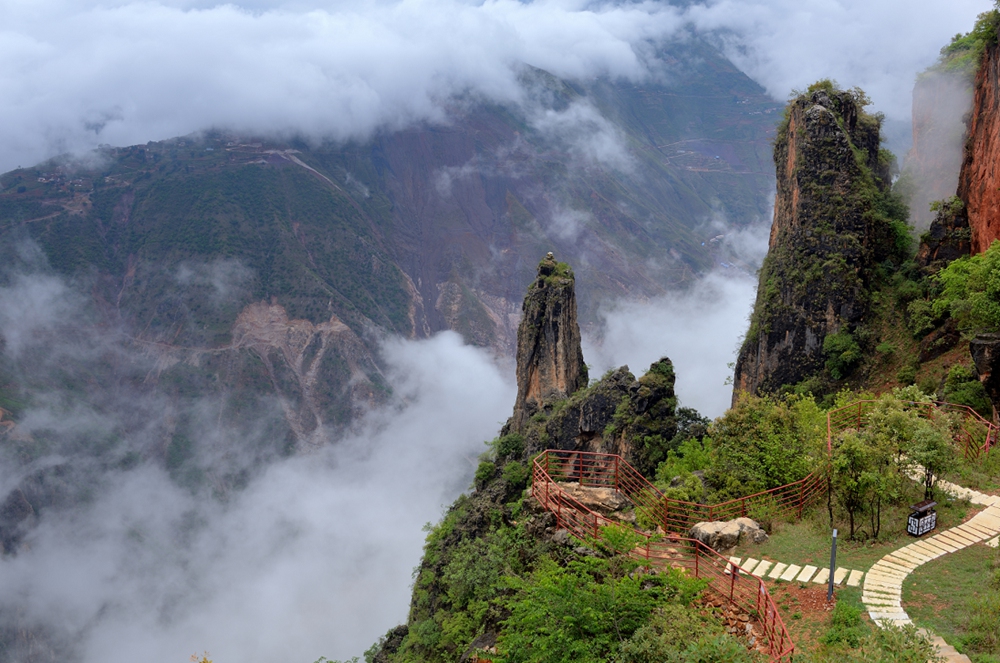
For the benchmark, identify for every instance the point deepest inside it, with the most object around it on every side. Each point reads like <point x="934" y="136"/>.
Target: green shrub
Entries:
<point x="583" y="612"/>
<point x="484" y="472"/>
<point x="920" y="317"/>
<point x="762" y="443"/>
<point x="962" y="386"/>
<point x="846" y="625"/>
<point x="516" y="474"/>
<point x="907" y="375"/>
<point x="886" y="348"/>
<point x="970" y="290"/>
<point x="508" y="446"/>
<point x="842" y="354"/>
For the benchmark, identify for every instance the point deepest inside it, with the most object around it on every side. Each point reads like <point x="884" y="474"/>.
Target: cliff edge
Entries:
<point x="833" y="223"/>
<point x="549" y="358"/>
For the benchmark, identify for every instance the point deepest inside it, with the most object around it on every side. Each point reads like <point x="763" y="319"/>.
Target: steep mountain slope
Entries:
<point x="833" y="224"/>
<point x="413" y="232"/>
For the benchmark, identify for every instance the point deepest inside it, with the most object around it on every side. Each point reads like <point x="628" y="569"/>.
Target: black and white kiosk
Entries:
<point x="923" y="518"/>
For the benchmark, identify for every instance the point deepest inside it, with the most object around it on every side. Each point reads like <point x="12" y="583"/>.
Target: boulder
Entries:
<point x="751" y="531"/>
<point x="717" y="535"/>
<point x="723" y="536"/>
<point x="604" y="501"/>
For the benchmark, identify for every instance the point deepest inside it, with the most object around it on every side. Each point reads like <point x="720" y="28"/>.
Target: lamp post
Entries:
<point x="833" y="566"/>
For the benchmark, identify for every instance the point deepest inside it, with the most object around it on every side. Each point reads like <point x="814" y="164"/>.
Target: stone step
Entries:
<point x="778" y="569"/>
<point x="790" y="573"/>
<point x="807" y="573"/>
<point x="762" y="568"/>
<point x="854" y="579"/>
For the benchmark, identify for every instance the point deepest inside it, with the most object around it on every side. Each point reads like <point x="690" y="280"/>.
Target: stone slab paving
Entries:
<point x="882" y="592"/>
<point x="764" y="568"/>
<point x="807" y="573"/>
<point x="790" y="573"/>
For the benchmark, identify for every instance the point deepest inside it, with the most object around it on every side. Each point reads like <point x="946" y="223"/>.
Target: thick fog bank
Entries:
<point x="699" y="328"/>
<point x="312" y="556"/>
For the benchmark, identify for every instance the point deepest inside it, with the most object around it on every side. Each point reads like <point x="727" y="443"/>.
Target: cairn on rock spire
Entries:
<point x="549" y="357"/>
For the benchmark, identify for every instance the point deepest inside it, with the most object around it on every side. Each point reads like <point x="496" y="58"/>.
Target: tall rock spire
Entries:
<point x="549" y="358"/>
<point x="830" y="230"/>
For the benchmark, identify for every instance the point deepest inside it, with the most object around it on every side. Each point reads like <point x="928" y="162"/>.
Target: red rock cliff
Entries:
<point x="979" y="181"/>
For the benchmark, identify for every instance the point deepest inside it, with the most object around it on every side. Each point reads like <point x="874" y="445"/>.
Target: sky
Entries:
<point x="79" y="73"/>
<point x="314" y="557"/>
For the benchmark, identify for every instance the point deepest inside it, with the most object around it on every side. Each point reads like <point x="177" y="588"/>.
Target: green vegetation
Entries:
<point x="588" y="611"/>
<point x="956" y="596"/>
<point x="762" y="443"/>
<point x="970" y="290"/>
<point x="964" y="53"/>
<point x="870" y="465"/>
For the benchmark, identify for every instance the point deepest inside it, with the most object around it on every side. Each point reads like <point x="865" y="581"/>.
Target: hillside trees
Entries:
<point x="870" y="465"/>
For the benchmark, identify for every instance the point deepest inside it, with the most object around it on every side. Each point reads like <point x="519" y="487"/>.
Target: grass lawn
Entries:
<point x="808" y="540"/>
<point x="982" y="474"/>
<point x="937" y="594"/>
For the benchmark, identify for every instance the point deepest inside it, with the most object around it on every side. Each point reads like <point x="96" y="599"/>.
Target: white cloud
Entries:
<point x="878" y="45"/>
<point x="699" y="328"/>
<point x="79" y="74"/>
<point x="313" y="558"/>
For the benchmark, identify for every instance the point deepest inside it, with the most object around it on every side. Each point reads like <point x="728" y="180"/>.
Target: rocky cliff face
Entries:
<point x="948" y="237"/>
<point x="556" y="408"/>
<point x="549" y="358"/>
<point x="979" y="181"/>
<point x="985" y="350"/>
<point x="826" y="237"/>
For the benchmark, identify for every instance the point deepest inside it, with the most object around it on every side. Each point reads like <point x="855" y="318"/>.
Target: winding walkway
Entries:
<point x="882" y="591"/>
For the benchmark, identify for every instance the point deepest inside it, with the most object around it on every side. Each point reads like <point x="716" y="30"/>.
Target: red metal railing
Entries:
<point x="611" y="471"/>
<point x="976" y="435"/>
<point x="730" y="582"/>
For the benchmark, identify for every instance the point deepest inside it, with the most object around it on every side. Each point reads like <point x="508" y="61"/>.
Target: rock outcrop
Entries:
<point x="949" y="236"/>
<point x="619" y="414"/>
<point x="985" y="349"/>
<point x="723" y="536"/>
<point x="549" y="358"/>
<point x="979" y="181"/>
<point x="825" y="240"/>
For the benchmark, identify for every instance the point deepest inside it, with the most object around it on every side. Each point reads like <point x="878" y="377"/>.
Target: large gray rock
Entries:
<point x="723" y="536"/>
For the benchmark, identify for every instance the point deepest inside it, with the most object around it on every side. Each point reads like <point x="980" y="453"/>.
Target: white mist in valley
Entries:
<point x="699" y="328"/>
<point x="312" y="557"/>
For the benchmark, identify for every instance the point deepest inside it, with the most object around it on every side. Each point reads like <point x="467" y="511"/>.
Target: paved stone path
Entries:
<point x="883" y="587"/>
<point x="763" y="568"/>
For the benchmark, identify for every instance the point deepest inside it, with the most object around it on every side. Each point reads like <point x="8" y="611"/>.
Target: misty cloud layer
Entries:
<point x="313" y="556"/>
<point x="80" y="74"/>
<point x="698" y="328"/>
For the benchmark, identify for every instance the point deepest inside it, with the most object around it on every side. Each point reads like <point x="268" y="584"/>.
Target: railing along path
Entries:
<point x="976" y="436"/>
<point x="739" y="588"/>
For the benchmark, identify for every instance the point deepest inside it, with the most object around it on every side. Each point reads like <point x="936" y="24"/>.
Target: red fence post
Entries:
<point x="732" y="580"/>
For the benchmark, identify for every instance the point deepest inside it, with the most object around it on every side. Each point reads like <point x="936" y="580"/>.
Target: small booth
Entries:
<point x="923" y="518"/>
